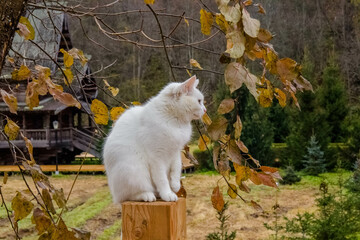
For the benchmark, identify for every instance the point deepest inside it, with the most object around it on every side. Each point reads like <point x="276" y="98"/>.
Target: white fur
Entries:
<point x="142" y="152"/>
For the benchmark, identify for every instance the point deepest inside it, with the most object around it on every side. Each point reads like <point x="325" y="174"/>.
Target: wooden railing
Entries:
<point x="83" y="139"/>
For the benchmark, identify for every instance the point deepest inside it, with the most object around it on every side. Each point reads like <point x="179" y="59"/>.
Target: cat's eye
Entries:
<point x="199" y="100"/>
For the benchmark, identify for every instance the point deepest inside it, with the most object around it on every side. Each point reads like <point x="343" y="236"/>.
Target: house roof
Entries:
<point x="47" y="104"/>
<point x="51" y="34"/>
<point x="47" y="25"/>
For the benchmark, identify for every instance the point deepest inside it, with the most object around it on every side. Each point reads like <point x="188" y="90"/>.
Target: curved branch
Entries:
<point x="163" y="41"/>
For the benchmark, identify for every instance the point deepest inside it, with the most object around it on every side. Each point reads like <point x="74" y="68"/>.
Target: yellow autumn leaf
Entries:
<point x="206" y="20"/>
<point x="114" y="91"/>
<point x="206" y="119"/>
<point x="68" y="59"/>
<point x="203" y="142"/>
<point x="232" y="191"/>
<point x="21" y="206"/>
<point x="243" y="173"/>
<point x="78" y="54"/>
<point x="136" y="103"/>
<point x="26" y="30"/>
<point x="221" y="22"/>
<point x="280" y="96"/>
<point x="186" y="21"/>
<point x="195" y="63"/>
<point x="10" y="101"/>
<point x="22" y="73"/>
<point x="115" y="112"/>
<point x="265" y="97"/>
<point x="11" y="129"/>
<point x="149" y="1"/>
<point x="188" y="73"/>
<point x="69" y="77"/>
<point x="100" y="111"/>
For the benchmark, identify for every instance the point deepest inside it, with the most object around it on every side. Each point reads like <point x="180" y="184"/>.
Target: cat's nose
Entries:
<point x="204" y="109"/>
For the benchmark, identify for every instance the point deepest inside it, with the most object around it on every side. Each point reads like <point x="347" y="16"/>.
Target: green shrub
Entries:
<point x="353" y="184"/>
<point x="337" y="217"/>
<point x="205" y="160"/>
<point x="290" y="176"/>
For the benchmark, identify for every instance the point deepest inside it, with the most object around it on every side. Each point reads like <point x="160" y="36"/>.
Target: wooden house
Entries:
<point x="56" y="130"/>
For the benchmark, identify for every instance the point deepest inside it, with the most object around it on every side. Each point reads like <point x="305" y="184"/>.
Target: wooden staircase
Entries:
<point x="86" y="141"/>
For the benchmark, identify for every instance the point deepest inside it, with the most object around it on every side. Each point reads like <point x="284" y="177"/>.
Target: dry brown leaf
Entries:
<point x="242" y="146"/>
<point x="217" y="199"/>
<point x="226" y="106"/>
<point x="217" y="128"/>
<point x="235" y="45"/>
<point x="264" y="35"/>
<point x="238" y="127"/>
<point x="10" y="101"/>
<point x="251" y="25"/>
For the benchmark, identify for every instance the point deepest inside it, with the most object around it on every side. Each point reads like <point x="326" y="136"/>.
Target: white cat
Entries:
<point x="142" y="152"/>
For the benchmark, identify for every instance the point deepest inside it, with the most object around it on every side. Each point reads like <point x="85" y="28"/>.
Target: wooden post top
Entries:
<point x="154" y="220"/>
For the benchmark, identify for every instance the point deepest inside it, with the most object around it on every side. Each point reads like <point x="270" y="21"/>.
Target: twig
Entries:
<point x="210" y="153"/>
<point x="201" y="70"/>
<point x="16" y="231"/>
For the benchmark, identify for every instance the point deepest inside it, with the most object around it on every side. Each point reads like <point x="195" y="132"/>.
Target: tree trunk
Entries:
<point x="10" y="12"/>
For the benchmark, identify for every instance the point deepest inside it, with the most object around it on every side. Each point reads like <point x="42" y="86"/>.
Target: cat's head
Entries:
<point x="185" y="99"/>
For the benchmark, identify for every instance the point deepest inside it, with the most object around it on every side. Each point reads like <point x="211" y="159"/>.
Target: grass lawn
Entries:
<point x="90" y="206"/>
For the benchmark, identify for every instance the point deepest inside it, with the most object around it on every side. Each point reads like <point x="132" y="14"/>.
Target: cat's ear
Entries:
<point x="189" y="84"/>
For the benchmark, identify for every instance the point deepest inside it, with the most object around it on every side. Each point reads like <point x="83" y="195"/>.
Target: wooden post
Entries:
<point x="154" y="221"/>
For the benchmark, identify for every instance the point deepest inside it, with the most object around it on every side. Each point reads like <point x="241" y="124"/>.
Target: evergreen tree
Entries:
<point x="333" y="99"/>
<point x="353" y="183"/>
<point x="257" y="133"/>
<point x="314" y="160"/>
<point x="310" y="120"/>
<point x="290" y="176"/>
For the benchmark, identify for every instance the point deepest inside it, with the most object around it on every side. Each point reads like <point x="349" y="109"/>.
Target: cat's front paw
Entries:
<point x="169" y="196"/>
<point x="146" y="197"/>
<point x="175" y="185"/>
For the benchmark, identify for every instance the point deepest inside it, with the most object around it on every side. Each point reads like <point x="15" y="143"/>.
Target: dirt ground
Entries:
<point x="201" y="217"/>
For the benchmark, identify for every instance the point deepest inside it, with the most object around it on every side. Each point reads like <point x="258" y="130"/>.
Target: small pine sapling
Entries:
<point x="314" y="161"/>
<point x="290" y="177"/>
<point x="353" y="184"/>
<point x="222" y="234"/>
